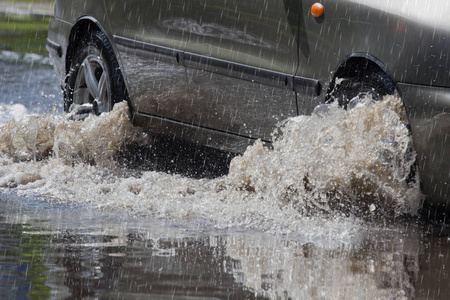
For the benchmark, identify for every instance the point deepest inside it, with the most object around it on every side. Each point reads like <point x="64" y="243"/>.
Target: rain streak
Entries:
<point x="332" y="208"/>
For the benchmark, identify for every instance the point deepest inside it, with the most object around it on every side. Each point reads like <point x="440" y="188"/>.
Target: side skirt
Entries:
<point x="204" y="136"/>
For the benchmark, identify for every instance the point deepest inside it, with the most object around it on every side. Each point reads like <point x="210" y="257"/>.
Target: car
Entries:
<point x="224" y="73"/>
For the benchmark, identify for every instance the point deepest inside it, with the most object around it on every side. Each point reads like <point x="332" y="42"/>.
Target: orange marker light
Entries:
<point x="317" y="10"/>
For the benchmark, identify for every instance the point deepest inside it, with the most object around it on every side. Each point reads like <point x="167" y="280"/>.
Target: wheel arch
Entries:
<point x="356" y="64"/>
<point x="82" y="26"/>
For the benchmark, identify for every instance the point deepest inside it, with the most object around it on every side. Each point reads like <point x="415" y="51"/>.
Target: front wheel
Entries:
<point x="94" y="82"/>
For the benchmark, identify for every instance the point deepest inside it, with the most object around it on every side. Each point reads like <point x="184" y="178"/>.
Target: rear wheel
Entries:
<point x="94" y="82"/>
<point x="374" y="84"/>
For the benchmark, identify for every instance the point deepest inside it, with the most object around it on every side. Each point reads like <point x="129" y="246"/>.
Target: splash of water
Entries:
<point x="356" y="161"/>
<point x="94" y="141"/>
<point x="12" y="112"/>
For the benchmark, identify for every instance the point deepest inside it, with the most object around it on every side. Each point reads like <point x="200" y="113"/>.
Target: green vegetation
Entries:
<point x="23" y="34"/>
<point x="32" y="1"/>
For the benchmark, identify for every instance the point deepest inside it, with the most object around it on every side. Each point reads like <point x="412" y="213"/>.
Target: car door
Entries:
<point x="149" y="36"/>
<point x="240" y="57"/>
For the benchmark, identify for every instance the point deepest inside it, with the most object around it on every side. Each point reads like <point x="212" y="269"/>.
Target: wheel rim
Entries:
<point x="92" y="86"/>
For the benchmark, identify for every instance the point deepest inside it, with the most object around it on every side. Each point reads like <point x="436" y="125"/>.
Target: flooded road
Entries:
<point x="54" y="250"/>
<point x="100" y="209"/>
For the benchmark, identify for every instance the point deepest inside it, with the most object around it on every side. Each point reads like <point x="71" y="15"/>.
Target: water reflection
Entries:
<point x="383" y="265"/>
<point x="217" y="31"/>
<point x="90" y="255"/>
<point x="22" y="263"/>
<point x="60" y="251"/>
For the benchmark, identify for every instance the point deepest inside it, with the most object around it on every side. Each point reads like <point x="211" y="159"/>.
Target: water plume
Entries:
<point x="358" y="161"/>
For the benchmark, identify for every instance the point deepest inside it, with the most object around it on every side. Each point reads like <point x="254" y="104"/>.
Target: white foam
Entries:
<point x="9" y="55"/>
<point x="14" y="112"/>
<point x="29" y="58"/>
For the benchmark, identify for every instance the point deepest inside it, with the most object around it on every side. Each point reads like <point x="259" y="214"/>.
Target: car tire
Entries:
<point x="374" y="84"/>
<point x="94" y="82"/>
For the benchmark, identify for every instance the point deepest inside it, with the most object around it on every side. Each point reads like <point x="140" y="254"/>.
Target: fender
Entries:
<point x="81" y="26"/>
<point x="355" y="63"/>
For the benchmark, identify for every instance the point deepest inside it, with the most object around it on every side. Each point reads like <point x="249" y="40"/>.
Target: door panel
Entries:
<point x="241" y="37"/>
<point x="259" y="33"/>
<point x="149" y="36"/>
<point x="236" y="98"/>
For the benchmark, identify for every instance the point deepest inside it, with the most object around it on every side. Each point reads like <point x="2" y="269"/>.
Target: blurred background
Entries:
<point x="27" y="81"/>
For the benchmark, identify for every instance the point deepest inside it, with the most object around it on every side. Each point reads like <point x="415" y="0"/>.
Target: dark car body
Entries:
<point x="225" y="72"/>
